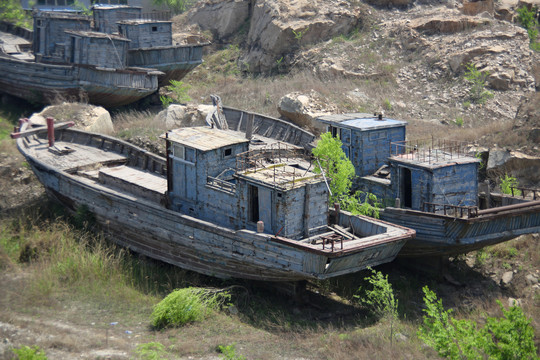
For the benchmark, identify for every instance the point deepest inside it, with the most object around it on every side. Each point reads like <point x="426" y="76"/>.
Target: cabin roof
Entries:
<point x="60" y="14"/>
<point x="95" y="34"/>
<point x="142" y="22"/>
<point x="283" y="176"/>
<point x="205" y="138"/>
<point x="361" y="121"/>
<point x="433" y="159"/>
<point x="114" y="7"/>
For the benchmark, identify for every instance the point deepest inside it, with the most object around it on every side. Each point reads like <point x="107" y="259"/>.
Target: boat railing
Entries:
<point x="450" y="210"/>
<point x="137" y="157"/>
<point x="273" y="154"/>
<point x="221" y="184"/>
<point x="517" y="191"/>
<point x="429" y="150"/>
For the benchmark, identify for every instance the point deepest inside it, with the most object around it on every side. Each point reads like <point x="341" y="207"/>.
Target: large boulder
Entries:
<point x="278" y="27"/>
<point x="524" y="167"/>
<point x="222" y="17"/>
<point x="302" y="110"/>
<point x="177" y="116"/>
<point x="86" y="117"/>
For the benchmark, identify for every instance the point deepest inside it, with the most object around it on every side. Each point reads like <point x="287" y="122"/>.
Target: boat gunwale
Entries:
<point x="209" y="226"/>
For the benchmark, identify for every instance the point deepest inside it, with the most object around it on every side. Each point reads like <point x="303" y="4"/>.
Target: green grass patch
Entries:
<point x="187" y="305"/>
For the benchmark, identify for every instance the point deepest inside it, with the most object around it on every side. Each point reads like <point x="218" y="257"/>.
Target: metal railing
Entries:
<point x="450" y="210"/>
<point x="429" y="150"/>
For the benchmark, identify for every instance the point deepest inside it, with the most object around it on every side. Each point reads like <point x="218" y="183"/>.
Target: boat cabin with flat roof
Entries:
<point x="146" y="33"/>
<point x="213" y="175"/>
<point x="366" y="138"/>
<point x="418" y="173"/>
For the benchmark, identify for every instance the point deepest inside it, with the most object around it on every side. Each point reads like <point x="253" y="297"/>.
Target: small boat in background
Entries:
<point x="113" y="59"/>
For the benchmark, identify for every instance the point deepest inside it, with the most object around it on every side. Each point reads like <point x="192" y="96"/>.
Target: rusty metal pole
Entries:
<point x="50" y="131"/>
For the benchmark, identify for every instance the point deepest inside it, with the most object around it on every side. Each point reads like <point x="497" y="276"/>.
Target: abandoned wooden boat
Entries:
<point x="151" y="44"/>
<point x="79" y="67"/>
<point x="224" y="203"/>
<point x="431" y="186"/>
<point x="115" y="58"/>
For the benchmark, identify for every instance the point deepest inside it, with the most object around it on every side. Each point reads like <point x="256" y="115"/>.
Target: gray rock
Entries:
<point x="531" y="279"/>
<point x="507" y="278"/>
<point x="514" y="302"/>
<point x="86" y="117"/>
<point x="222" y="17"/>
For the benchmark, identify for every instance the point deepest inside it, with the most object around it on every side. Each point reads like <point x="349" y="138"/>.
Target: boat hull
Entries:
<point x="174" y="62"/>
<point x="149" y="228"/>
<point x="44" y="83"/>
<point x="438" y="235"/>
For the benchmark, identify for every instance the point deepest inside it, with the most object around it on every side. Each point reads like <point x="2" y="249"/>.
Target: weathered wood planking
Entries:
<point x="118" y="197"/>
<point x="445" y="235"/>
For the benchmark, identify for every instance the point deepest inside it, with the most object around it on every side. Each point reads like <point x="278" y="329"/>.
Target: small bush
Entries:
<point x="29" y="353"/>
<point x="229" y="352"/>
<point x="186" y="305"/>
<point x="478" y="94"/>
<point x="509" y="185"/>
<point x="459" y="121"/>
<point x="179" y="93"/>
<point x="527" y="19"/>
<point x="380" y="298"/>
<point x="509" y="337"/>
<point x="150" y="351"/>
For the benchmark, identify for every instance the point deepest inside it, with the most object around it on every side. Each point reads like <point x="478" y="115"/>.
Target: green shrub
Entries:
<point x="229" y="352"/>
<point x="335" y="164"/>
<point x="459" y="121"/>
<point x="509" y="337"/>
<point x="509" y="185"/>
<point x="12" y="12"/>
<point x="179" y="94"/>
<point x="477" y="92"/>
<point x="380" y="299"/>
<point x="150" y="351"/>
<point x="186" y="305"/>
<point x="29" y="353"/>
<point x="527" y="19"/>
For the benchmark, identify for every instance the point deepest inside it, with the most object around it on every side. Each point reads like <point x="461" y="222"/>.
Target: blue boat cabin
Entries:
<point x="420" y="175"/>
<point x="214" y="176"/>
<point x="366" y="138"/>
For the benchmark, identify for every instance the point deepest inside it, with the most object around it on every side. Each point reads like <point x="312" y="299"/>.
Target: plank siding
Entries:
<point x="145" y="225"/>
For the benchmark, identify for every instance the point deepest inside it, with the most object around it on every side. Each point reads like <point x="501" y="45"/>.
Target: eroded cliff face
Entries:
<point x="276" y="28"/>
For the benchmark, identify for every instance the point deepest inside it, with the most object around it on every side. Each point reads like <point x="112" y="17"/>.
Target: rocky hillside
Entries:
<point x="408" y="59"/>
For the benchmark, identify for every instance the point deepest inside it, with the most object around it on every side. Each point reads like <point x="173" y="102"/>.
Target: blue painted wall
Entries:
<point x="290" y="210"/>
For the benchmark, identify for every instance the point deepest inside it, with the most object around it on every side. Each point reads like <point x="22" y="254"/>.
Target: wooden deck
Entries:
<point x="81" y="158"/>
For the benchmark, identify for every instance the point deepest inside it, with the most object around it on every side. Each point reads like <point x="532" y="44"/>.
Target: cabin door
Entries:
<point x="260" y="201"/>
<point x="406" y="187"/>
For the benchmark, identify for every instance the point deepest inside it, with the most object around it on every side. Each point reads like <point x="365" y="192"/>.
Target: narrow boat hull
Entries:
<point x="438" y="235"/>
<point x="44" y="83"/>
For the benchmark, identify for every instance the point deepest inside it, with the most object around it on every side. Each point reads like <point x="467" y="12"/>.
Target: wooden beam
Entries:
<point x="25" y="133"/>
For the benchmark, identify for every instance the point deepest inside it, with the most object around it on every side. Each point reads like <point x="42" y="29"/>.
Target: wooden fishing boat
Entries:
<point x="431" y="186"/>
<point x="224" y="203"/>
<point x="82" y="72"/>
<point x="115" y="58"/>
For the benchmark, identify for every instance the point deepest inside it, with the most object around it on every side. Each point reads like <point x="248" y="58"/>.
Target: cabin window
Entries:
<point x="227" y="152"/>
<point x="154" y="28"/>
<point x="179" y="152"/>
<point x="334" y="131"/>
<point x="253" y="203"/>
<point x="378" y="135"/>
<point x="39" y="22"/>
<point x="120" y="30"/>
